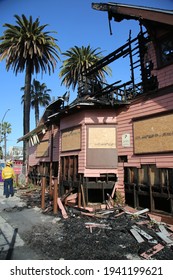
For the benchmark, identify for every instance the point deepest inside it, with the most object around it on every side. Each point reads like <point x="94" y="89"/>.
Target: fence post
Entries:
<point x="43" y="187"/>
<point x="55" y="196"/>
<point x="17" y="180"/>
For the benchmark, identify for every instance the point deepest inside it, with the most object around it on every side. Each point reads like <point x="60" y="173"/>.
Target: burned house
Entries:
<point x="119" y="136"/>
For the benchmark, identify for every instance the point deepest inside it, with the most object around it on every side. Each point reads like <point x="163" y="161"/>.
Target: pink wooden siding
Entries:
<point x="165" y="74"/>
<point x="97" y="117"/>
<point x="120" y="175"/>
<point x="83" y="119"/>
<point x="34" y="160"/>
<point x="56" y="144"/>
<point x="141" y="108"/>
<point x="32" y="156"/>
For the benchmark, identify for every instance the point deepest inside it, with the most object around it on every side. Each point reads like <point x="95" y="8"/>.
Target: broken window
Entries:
<point x="165" y="51"/>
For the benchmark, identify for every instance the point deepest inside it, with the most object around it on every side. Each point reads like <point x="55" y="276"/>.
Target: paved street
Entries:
<point x="13" y="223"/>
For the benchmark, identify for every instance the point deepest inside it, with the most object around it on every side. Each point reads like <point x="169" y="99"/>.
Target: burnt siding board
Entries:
<point x="142" y="189"/>
<point x="56" y="144"/>
<point x="164" y="74"/>
<point x="138" y="196"/>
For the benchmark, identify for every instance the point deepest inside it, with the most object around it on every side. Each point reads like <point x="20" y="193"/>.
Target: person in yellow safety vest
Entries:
<point x="8" y="175"/>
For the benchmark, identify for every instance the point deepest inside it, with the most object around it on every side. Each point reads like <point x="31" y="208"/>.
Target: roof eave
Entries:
<point x="122" y="11"/>
<point x="32" y="132"/>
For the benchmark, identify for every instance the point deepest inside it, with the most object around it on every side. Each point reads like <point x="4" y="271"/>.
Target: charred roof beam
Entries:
<point x="141" y="13"/>
<point x="120" y="52"/>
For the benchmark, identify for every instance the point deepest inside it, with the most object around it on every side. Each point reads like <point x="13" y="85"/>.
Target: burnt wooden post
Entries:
<point x="51" y="157"/>
<point x="17" y="180"/>
<point x="83" y="196"/>
<point x="43" y="192"/>
<point x="55" y="196"/>
<point x="134" y="195"/>
<point x="171" y="204"/>
<point x="79" y="192"/>
<point x="79" y="197"/>
<point x="137" y="187"/>
<point x="151" y="191"/>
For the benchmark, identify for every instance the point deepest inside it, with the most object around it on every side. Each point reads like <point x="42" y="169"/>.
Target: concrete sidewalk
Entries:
<point x="16" y="219"/>
<point x="8" y="234"/>
<point x="9" y="202"/>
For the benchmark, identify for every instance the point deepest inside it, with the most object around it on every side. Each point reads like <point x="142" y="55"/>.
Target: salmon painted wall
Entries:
<point x="84" y="118"/>
<point x="56" y="144"/>
<point x="164" y="74"/>
<point x="141" y="107"/>
<point x="34" y="160"/>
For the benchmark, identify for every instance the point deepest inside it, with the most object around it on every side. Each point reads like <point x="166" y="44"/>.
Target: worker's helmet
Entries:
<point x="8" y="163"/>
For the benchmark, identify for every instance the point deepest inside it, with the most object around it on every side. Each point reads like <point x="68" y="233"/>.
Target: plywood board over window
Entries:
<point x="153" y="135"/>
<point x="101" y="146"/>
<point x="71" y="139"/>
<point x="42" y="149"/>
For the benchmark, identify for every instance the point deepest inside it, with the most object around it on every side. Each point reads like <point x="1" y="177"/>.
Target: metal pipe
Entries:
<point x="2" y="127"/>
<point x="4" y="115"/>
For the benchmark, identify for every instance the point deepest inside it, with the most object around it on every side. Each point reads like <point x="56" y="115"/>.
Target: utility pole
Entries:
<point x="5" y="145"/>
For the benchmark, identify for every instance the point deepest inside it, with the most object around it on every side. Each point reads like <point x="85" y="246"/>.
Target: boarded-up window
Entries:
<point x="71" y="140"/>
<point x="154" y="134"/>
<point x="42" y="149"/>
<point x="101" y="146"/>
<point x="102" y="137"/>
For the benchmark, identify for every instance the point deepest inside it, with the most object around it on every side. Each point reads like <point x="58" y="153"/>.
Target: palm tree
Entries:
<point x="77" y="62"/>
<point x="5" y="129"/>
<point x="39" y="97"/>
<point x="27" y="47"/>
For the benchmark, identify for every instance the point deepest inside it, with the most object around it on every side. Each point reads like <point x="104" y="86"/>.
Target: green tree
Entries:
<point x="77" y="62"/>
<point x="27" y="47"/>
<point x="5" y="129"/>
<point x="39" y="97"/>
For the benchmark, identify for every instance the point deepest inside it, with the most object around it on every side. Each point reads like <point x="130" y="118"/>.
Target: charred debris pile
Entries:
<point x="130" y="231"/>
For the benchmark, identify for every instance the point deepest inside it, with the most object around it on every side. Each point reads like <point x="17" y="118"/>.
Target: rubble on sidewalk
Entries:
<point x="122" y="229"/>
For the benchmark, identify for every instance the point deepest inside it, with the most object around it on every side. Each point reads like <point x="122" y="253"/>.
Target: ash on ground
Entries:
<point x="105" y="239"/>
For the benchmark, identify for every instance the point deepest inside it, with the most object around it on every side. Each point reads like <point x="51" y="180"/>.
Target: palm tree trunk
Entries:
<point x="26" y="111"/>
<point x="36" y="114"/>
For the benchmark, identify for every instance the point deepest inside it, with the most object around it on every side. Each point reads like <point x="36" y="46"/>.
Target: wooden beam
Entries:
<point x="83" y="196"/>
<point x="150" y="188"/>
<point x="137" y="213"/>
<point x="163" y="230"/>
<point x="51" y="157"/>
<point x="43" y="192"/>
<point x="136" y="235"/>
<point x="114" y="190"/>
<point x="91" y="225"/>
<point x="165" y="238"/>
<point x="61" y="207"/>
<point x="55" y="196"/>
<point x="152" y="251"/>
<point x="79" y="197"/>
<point x="144" y="234"/>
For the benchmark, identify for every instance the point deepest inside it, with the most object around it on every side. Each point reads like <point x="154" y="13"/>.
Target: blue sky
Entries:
<point x="76" y="23"/>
